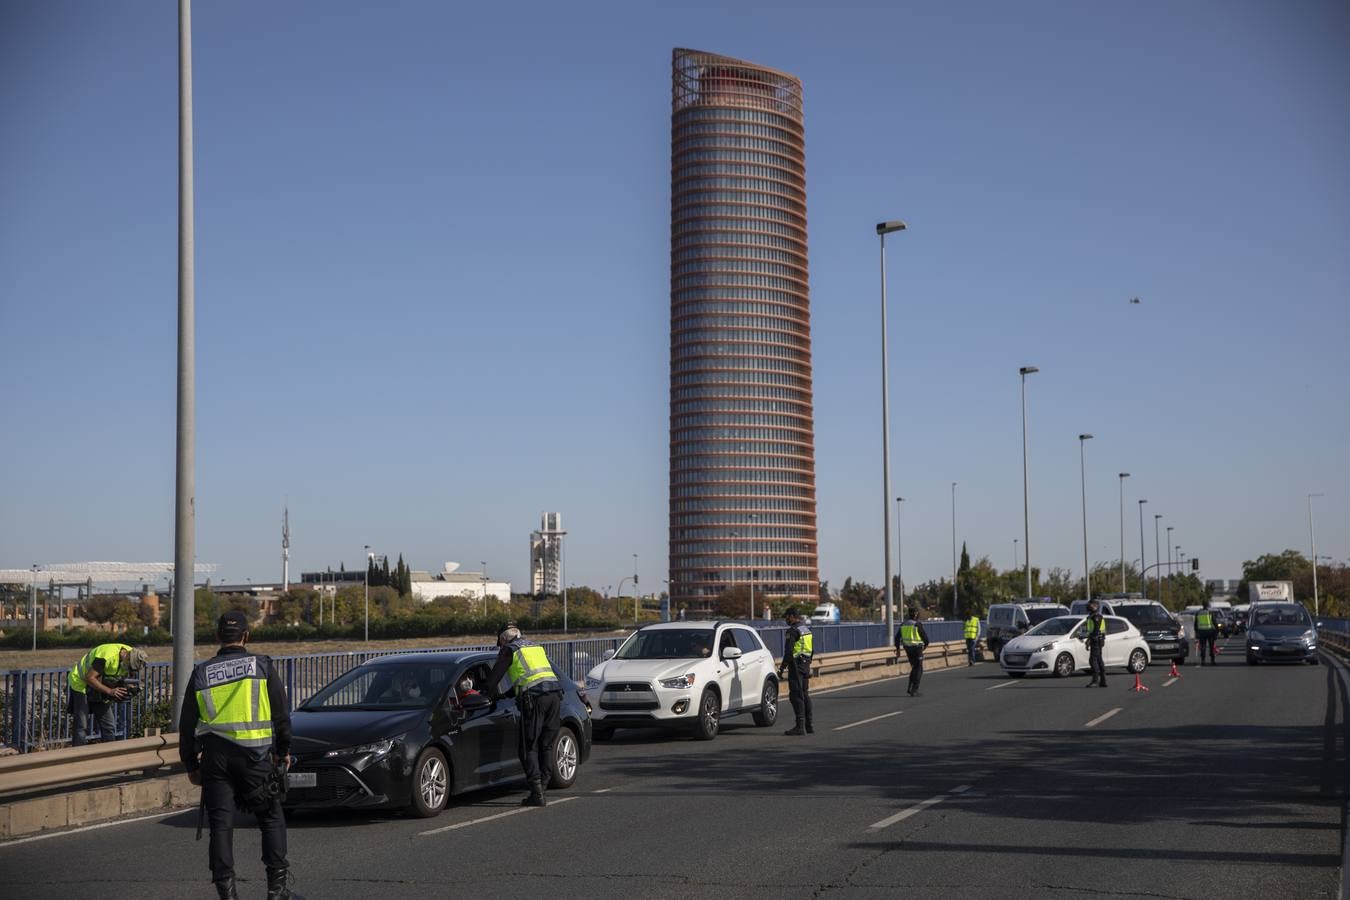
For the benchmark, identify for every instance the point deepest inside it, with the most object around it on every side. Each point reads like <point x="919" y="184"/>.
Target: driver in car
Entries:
<point x="464" y="689"/>
<point x="701" y="645"/>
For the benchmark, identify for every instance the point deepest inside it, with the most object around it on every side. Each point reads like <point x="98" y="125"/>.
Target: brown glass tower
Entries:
<point x="742" y="448"/>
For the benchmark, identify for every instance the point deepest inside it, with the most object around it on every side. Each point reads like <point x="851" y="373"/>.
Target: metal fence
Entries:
<point x="34" y="709"/>
<point x="1338" y="626"/>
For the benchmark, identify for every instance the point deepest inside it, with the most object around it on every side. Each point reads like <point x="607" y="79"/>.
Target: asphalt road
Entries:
<point x="1229" y="782"/>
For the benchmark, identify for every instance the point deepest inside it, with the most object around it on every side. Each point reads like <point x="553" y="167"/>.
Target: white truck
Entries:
<point x="1270" y="592"/>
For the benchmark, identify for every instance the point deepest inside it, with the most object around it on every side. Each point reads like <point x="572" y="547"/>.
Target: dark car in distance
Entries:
<point x="1280" y="632"/>
<point x="1166" y="640"/>
<point x="397" y="732"/>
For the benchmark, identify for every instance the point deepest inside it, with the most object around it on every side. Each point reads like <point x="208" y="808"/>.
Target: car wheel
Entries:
<point x="601" y="733"/>
<point x="1015" y="674"/>
<point x="1138" y="661"/>
<point x="709" y="711"/>
<point x="566" y="759"/>
<point x="430" y="784"/>
<point x="767" y="713"/>
<point x="1251" y="660"/>
<point x="1064" y="665"/>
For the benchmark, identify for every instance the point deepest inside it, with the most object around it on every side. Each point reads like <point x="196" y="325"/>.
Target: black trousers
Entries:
<point x="1206" y="639"/>
<point x="228" y="773"/>
<point x="799" y="691"/>
<point x="915" y="656"/>
<point x="539" y="725"/>
<point x="82" y="709"/>
<point x="1096" y="663"/>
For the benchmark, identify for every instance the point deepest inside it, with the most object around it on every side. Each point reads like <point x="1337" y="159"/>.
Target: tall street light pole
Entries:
<point x="1026" y="513"/>
<point x="185" y="521"/>
<point x="1123" y="476"/>
<point x="956" y="588"/>
<point x="1157" y="556"/>
<point x="1082" y="478"/>
<point x="369" y="557"/>
<point x="1016" y="566"/>
<point x="1312" y="536"/>
<point x="637" y="594"/>
<point x="1143" y="561"/>
<point x="899" y="554"/>
<point x="753" y="519"/>
<point x="1167" y="589"/>
<point x="883" y="229"/>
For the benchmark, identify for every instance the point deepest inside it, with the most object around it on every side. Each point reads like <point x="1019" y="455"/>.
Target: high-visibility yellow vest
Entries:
<point x="529" y="666"/>
<point x="972" y="628"/>
<point x="111" y="654"/>
<point x="909" y="634"/>
<point x="1204" y="621"/>
<point x="232" y="700"/>
<point x="805" y="643"/>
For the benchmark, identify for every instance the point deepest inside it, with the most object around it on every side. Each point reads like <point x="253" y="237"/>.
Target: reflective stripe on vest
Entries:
<point x="805" y="643"/>
<point x="909" y="635"/>
<point x="1204" y="621"/>
<point x="111" y="654"/>
<point x="235" y="704"/>
<point x="972" y="628"/>
<point x="529" y="666"/>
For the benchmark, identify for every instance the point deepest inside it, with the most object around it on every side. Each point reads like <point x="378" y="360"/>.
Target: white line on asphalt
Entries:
<point x="1002" y="684"/>
<point x="56" y="834"/>
<point x="916" y="809"/>
<point x="865" y="721"/>
<point x="1169" y="681"/>
<point x="1103" y="717"/>
<point x="500" y="815"/>
<point x="603" y="790"/>
<point x="849" y="687"/>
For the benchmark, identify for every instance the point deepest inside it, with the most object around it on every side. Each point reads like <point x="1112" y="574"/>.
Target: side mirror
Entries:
<point x="475" y="701"/>
<point x="731" y="653"/>
<point x="608" y="654"/>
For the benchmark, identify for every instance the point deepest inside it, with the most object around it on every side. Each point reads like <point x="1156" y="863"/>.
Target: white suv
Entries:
<point x="687" y="675"/>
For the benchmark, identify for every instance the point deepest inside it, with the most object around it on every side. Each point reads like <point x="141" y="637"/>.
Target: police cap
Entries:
<point x="232" y="626"/>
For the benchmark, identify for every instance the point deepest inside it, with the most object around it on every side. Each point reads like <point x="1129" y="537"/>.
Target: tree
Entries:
<point x="100" y="607"/>
<point x="126" y="614"/>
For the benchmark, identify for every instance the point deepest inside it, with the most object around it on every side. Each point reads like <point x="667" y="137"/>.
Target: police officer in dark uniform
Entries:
<point x="911" y="638"/>
<point x="1206" y="630"/>
<point x="235" y="739"/>
<point x="798" y="648"/>
<point x="1096" y="640"/>
<point x="539" y="697"/>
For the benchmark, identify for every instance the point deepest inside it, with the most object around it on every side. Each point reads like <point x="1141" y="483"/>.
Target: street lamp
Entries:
<point x="1157" y="556"/>
<point x="1168" y="587"/>
<point x="636" y="593"/>
<point x="1016" y="565"/>
<point x="32" y="607"/>
<point x="1026" y="514"/>
<point x="369" y="557"/>
<point x="899" y="557"/>
<point x="1082" y="478"/>
<point x="1123" y="476"/>
<point x="1143" y="585"/>
<point x="883" y="229"/>
<point x="956" y="588"/>
<point x="484" y="579"/>
<point x="1312" y="537"/>
<point x="753" y="519"/>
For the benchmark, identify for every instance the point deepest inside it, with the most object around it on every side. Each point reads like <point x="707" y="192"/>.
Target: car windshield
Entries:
<point x="1060" y="625"/>
<point x="1144" y="614"/>
<point x="1036" y="616"/>
<point x="668" y="643"/>
<point x="382" y="686"/>
<point x="1285" y="614"/>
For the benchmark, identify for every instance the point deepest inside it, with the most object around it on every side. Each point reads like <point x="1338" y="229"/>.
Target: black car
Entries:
<point x="1166" y="639"/>
<point x="1280" y="632"/>
<point x="401" y="731"/>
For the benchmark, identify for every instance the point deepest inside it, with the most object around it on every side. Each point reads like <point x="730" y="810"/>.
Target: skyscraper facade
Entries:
<point x="742" y="445"/>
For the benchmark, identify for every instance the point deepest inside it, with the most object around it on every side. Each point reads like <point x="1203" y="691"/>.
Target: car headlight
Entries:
<point x="592" y="684"/>
<point x="683" y="681"/>
<point x="1256" y="636"/>
<point x="1045" y="647"/>
<point x="375" y="749"/>
<point x="1310" y="635"/>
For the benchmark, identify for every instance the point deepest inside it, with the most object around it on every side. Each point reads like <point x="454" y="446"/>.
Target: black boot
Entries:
<point x="796" y="729"/>
<point x="225" y="889"/>
<point x="279" y="884"/>
<point x="810" y="729"/>
<point x="536" y="797"/>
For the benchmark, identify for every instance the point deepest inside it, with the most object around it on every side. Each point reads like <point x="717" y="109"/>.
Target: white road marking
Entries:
<point x="500" y="815"/>
<point x="1002" y="684"/>
<point x="865" y="721"/>
<point x="916" y="808"/>
<point x="848" y="687"/>
<point x="1103" y="717"/>
<point x="602" y="791"/>
<point x="56" y="834"/>
<point x="1169" y="681"/>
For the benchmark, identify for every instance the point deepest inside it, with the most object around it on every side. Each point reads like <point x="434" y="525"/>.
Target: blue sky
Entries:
<point x="432" y="275"/>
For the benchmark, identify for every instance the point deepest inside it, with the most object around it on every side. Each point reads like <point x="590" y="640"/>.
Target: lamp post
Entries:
<point x="735" y="545"/>
<point x="1015" y="565"/>
<point x="32" y="607"/>
<point x="1026" y="513"/>
<point x="1082" y="478"/>
<point x="899" y="559"/>
<point x="1143" y="560"/>
<point x="1312" y="537"/>
<point x="883" y="229"/>
<point x="1123" y="476"/>
<point x="1157" y="556"/>
<point x="484" y="579"/>
<point x="1168" y="587"/>
<point x="956" y="588"/>
<point x="753" y="519"/>
<point x="636" y="593"/>
<point x="369" y="557"/>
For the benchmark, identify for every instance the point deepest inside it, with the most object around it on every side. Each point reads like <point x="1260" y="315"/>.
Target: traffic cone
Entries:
<point x="1174" y="673"/>
<point x="1138" y="685"/>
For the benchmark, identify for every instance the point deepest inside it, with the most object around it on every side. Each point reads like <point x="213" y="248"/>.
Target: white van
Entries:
<point x="825" y="614"/>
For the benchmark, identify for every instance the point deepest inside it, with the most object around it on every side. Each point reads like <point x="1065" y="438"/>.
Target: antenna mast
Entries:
<point x="285" y="549"/>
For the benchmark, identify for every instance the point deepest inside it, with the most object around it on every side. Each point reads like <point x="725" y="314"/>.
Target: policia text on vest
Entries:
<point x="234" y="740"/>
<point x="538" y="696"/>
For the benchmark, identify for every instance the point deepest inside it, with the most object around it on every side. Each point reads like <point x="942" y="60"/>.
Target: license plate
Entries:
<point x="302" y="779"/>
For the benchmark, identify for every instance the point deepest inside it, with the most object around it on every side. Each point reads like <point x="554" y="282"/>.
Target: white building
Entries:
<point x="450" y="582"/>
<point x="546" y="555"/>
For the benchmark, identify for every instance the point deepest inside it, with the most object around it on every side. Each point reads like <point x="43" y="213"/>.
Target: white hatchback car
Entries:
<point x="685" y="675"/>
<point x="1056" y="647"/>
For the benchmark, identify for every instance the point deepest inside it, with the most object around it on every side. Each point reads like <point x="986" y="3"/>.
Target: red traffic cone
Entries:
<point x="1138" y="685"/>
<point x="1174" y="673"/>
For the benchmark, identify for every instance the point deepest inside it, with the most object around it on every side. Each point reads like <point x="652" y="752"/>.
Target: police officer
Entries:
<point x="1096" y="640"/>
<point x="913" y="640"/>
<point x="972" y="634"/>
<point x="539" y="697"/>
<point x="798" y="648"/>
<point x="1205" y="632"/>
<point x="235" y="727"/>
<point x="96" y="689"/>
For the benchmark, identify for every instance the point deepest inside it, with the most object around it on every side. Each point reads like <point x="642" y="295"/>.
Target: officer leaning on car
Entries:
<point x="798" y="648"/>
<point x="1205" y="632"/>
<point x="539" y="698"/>
<point x="911" y="637"/>
<point x="234" y="739"/>
<point x="1096" y="640"/>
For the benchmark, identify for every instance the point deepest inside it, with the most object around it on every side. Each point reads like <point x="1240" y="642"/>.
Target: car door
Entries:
<point x="730" y="672"/>
<point x="755" y="662"/>
<point x="1118" y="642"/>
<point x="499" y="740"/>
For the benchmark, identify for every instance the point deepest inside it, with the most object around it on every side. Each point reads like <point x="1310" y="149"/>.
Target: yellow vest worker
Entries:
<point x="972" y="636"/>
<point x="538" y="694"/>
<point x="912" y="640"/>
<point x="1096" y="641"/>
<point x="799" y="646"/>
<point x="96" y="685"/>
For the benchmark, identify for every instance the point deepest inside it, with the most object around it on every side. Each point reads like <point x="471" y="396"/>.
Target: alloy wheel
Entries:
<point x="432" y="783"/>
